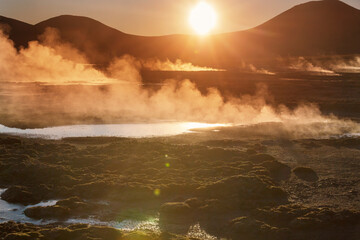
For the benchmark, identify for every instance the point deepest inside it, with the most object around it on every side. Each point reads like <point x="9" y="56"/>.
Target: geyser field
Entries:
<point x="244" y="182"/>
<point x="249" y="135"/>
<point x="286" y="165"/>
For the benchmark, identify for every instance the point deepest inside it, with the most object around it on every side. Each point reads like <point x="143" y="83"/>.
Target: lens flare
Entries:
<point x="202" y="18"/>
<point x="157" y="192"/>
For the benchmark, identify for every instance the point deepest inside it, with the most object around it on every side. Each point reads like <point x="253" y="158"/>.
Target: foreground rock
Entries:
<point x="63" y="209"/>
<point x="306" y="174"/>
<point x="19" y="194"/>
<point x="176" y="217"/>
<point x="228" y="191"/>
<point x="299" y="222"/>
<point x="252" y="229"/>
<point x="278" y="171"/>
<point x="48" y="212"/>
<point x="244" y="192"/>
<point x="19" y="231"/>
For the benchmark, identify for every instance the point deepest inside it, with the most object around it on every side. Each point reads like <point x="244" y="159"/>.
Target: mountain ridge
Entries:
<point x="312" y="28"/>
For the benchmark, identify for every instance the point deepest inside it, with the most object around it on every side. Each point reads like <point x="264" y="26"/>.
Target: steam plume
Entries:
<point x="125" y="99"/>
<point x="304" y="65"/>
<point x="178" y="65"/>
<point x="248" y="67"/>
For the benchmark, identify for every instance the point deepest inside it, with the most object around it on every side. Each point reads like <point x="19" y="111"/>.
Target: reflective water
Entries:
<point x="110" y="130"/>
<point x="15" y="212"/>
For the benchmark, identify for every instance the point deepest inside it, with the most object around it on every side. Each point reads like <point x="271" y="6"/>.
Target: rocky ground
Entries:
<point x="244" y="187"/>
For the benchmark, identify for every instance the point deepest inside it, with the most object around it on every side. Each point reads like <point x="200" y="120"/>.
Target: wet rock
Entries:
<point x="260" y="158"/>
<point x="213" y="207"/>
<point x="218" y="153"/>
<point x="281" y="215"/>
<point x="18" y="236"/>
<point x="76" y="204"/>
<point x="170" y="236"/>
<point x="251" y="151"/>
<point x="141" y="235"/>
<point x="68" y="180"/>
<point x="92" y="232"/>
<point x="305" y="223"/>
<point x="244" y="191"/>
<point x="9" y="141"/>
<point x="176" y="212"/>
<point x="225" y="183"/>
<point x="48" y="212"/>
<point x="348" y="142"/>
<point x="176" y="217"/>
<point x="259" y="171"/>
<point x="107" y="233"/>
<point x="65" y="208"/>
<point x="24" y="231"/>
<point x="252" y="229"/>
<point x="92" y="189"/>
<point x="19" y="194"/>
<point x="278" y="170"/>
<point x="194" y="203"/>
<point x="335" y="218"/>
<point x="306" y="174"/>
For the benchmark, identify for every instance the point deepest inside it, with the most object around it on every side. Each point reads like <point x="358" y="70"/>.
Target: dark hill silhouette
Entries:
<point x="313" y="28"/>
<point x="316" y="27"/>
<point x="97" y="40"/>
<point x="19" y="32"/>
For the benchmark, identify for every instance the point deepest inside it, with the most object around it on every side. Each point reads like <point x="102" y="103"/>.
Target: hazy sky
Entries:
<point x="151" y="17"/>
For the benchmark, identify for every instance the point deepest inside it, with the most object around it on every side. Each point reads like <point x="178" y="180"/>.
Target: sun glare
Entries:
<point x="202" y="18"/>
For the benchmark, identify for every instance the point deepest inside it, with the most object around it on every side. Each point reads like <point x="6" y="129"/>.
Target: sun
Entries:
<point x="203" y="18"/>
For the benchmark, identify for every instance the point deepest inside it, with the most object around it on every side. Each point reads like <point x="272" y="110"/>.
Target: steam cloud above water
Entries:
<point x="39" y="63"/>
<point x="125" y="99"/>
<point x="303" y="65"/>
<point x="157" y="65"/>
<point x="328" y="67"/>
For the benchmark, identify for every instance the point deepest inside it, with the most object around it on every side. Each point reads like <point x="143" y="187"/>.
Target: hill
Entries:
<point x="314" y="28"/>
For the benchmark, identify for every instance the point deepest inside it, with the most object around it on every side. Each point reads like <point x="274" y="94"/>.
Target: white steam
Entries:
<point x="125" y="99"/>
<point x="248" y="67"/>
<point x="178" y="65"/>
<point x="304" y="65"/>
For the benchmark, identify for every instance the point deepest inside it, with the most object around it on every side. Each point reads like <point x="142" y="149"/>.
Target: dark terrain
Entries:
<point x="249" y="187"/>
<point x="262" y="181"/>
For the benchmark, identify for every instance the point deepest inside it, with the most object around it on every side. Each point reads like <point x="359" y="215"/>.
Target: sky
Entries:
<point x="152" y="17"/>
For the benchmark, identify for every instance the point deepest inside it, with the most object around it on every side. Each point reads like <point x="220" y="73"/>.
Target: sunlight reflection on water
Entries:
<point x="135" y="130"/>
<point x="15" y="212"/>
